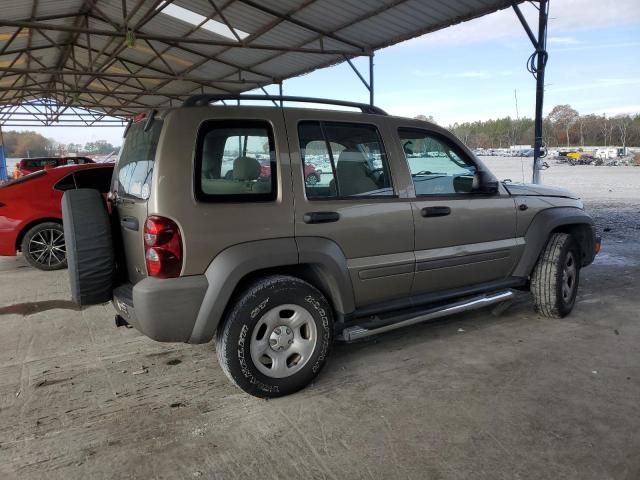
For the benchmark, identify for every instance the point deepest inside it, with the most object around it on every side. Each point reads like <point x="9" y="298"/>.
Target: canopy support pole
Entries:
<point x="540" y="58"/>
<point x="368" y="85"/>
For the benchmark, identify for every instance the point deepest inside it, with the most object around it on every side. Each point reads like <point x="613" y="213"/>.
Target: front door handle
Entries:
<point x="130" y="223"/>
<point x="321" y="217"/>
<point x="435" y="211"/>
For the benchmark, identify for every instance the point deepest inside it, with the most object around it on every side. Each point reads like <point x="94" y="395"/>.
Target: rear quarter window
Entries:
<point x="235" y="162"/>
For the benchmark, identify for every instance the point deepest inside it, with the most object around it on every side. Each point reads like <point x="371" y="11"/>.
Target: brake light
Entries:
<point x="162" y="247"/>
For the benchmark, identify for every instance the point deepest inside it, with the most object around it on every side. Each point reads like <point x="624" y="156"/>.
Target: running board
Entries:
<point x="370" y="327"/>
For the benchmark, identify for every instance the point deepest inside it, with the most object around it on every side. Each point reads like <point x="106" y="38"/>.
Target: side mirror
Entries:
<point x="485" y="183"/>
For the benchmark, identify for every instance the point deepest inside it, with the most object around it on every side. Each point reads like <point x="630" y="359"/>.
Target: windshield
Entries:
<point x="135" y="165"/>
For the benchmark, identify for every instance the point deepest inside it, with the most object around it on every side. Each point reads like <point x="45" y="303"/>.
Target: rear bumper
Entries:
<point x="162" y="309"/>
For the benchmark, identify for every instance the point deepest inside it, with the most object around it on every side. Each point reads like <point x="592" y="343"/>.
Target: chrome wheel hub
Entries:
<point x="283" y="340"/>
<point x="47" y="248"/>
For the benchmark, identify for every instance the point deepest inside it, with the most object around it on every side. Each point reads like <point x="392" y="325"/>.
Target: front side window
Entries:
<point x="437" y="167"/>
<point x="235" y="161"/>
<point x="349" y="157"/>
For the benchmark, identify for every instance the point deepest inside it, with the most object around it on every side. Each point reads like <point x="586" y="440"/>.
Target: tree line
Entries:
<point x="563" y="127"/>
<point x="32" y="144"/>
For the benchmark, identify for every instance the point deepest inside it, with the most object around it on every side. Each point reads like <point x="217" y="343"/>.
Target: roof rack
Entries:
<point x="205" y="99"/>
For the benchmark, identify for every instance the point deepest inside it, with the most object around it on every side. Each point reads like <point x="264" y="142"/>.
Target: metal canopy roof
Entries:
<point x="115" y="57"/>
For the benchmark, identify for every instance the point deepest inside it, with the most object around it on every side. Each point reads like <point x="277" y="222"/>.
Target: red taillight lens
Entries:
<point x="162" y="247"/>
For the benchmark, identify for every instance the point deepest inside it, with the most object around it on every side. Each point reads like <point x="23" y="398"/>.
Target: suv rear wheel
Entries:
<point x="276" y="337"/>
<point x="43" y="246"/>
<point x="555" y="278"/>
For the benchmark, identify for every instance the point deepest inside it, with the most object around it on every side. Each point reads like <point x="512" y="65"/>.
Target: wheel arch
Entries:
<point x="317" y="261"/>
<point x="30" y="225"/>
<point x="572" y="220"/>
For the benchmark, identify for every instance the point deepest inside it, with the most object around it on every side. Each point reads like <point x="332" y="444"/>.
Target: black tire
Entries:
<point x="90" y="254"/>
<point x="236" y="334"/>
<point x="43" y="246"/>
<point x="556" y="276"/>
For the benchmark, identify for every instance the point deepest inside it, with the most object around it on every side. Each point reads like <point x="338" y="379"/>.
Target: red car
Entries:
<point x="31" y="214"/>
<point x="30" y="165"/>
<point x="311" y="175"/>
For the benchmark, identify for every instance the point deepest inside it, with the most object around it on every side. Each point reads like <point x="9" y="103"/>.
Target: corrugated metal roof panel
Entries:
<point x="278" y="26"/>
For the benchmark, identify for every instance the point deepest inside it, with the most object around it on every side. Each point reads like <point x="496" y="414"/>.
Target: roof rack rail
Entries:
<point x="205" y="99"/>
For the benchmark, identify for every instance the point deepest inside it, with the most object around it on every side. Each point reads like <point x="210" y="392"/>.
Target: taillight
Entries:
<point x="162" y="247"/>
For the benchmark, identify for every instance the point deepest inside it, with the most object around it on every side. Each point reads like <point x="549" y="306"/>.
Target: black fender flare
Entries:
<point x="541" y="227"/>
<point x="322" y="262"/>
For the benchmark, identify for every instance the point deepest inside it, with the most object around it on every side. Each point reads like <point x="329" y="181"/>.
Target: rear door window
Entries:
<point x="135" y="166"/>
<point x="350" y="157"/>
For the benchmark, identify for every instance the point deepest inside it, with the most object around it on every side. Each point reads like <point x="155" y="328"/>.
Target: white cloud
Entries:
<point x="622" y="110"/>
<point x="562" y="40"/>
<point x="564" y="16"/>
<point x="475" y="74"/>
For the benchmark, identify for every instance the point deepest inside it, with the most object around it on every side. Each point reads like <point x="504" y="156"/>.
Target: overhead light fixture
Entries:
<point x="196" y="19"/>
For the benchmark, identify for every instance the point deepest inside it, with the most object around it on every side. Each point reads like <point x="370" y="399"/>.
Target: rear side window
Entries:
<point x="350" y="158"/>
<point x="24" y="179"/>
<point x="235" y="162"/>
<point x="66" y="183"/>
<point x="38" y="162"/>
<point x="135" y="166"/>
<point x="96" y="178"/>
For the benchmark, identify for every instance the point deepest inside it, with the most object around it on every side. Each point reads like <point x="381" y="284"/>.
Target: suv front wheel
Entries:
<point x="276" y="337"/>
<point x="555" y="278"/>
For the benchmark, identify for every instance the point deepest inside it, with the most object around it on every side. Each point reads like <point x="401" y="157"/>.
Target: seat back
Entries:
<point x="352" y="173"/>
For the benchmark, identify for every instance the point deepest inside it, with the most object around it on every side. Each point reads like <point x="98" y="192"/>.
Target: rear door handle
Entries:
<point x="130" y="223"/>
<point x="321" y="217"/>
<point x="435" y="211"/>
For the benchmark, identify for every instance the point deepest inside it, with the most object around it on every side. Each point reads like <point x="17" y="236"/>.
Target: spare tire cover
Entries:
<point x="90" y="256"/>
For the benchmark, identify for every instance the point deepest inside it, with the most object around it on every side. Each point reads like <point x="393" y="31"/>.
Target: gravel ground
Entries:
<point x="482" y="395"/>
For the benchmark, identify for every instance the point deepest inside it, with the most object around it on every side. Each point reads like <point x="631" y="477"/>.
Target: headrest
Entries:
<point x="350" y="157"/>
<point x="246" y="168"/>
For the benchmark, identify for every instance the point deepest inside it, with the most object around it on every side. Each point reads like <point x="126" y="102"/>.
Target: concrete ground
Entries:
<point x="482" y="395"/>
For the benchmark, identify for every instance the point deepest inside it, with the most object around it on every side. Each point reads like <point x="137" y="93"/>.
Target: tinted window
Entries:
<point x="135" y="166"/>
<point x="437" y="166"/>
<point x="67" y="183"/>
<point x="38" y="162"/>
<point x="97" y="178"/>
<point x="350" y="156"/>
<point x="235" y="161"/>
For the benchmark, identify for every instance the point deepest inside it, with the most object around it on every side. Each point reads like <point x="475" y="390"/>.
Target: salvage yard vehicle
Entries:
<point x="31" y="213"/>
<point x="31" y="165"/>
<point x="274" y="268"/>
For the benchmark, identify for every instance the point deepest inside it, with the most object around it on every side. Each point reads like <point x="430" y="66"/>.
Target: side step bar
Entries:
<point x="374" y="326"/>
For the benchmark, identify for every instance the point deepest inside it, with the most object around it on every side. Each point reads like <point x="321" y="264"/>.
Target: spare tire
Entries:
<point x="90" y="256"/>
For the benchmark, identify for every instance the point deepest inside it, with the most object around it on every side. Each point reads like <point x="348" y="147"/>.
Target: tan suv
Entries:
<point x="213" y="232"/>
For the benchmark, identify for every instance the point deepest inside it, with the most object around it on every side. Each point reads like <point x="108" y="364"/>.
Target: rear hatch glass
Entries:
<point x="132" y="183"/>
<point x="135" y="166"/>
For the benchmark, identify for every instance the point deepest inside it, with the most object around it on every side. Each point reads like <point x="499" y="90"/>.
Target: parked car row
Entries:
<point x="31" y="215"/>
<point x="31" y="165"/>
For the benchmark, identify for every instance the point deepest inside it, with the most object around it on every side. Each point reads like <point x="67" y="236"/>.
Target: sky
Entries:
<point x="474" y="71"/>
